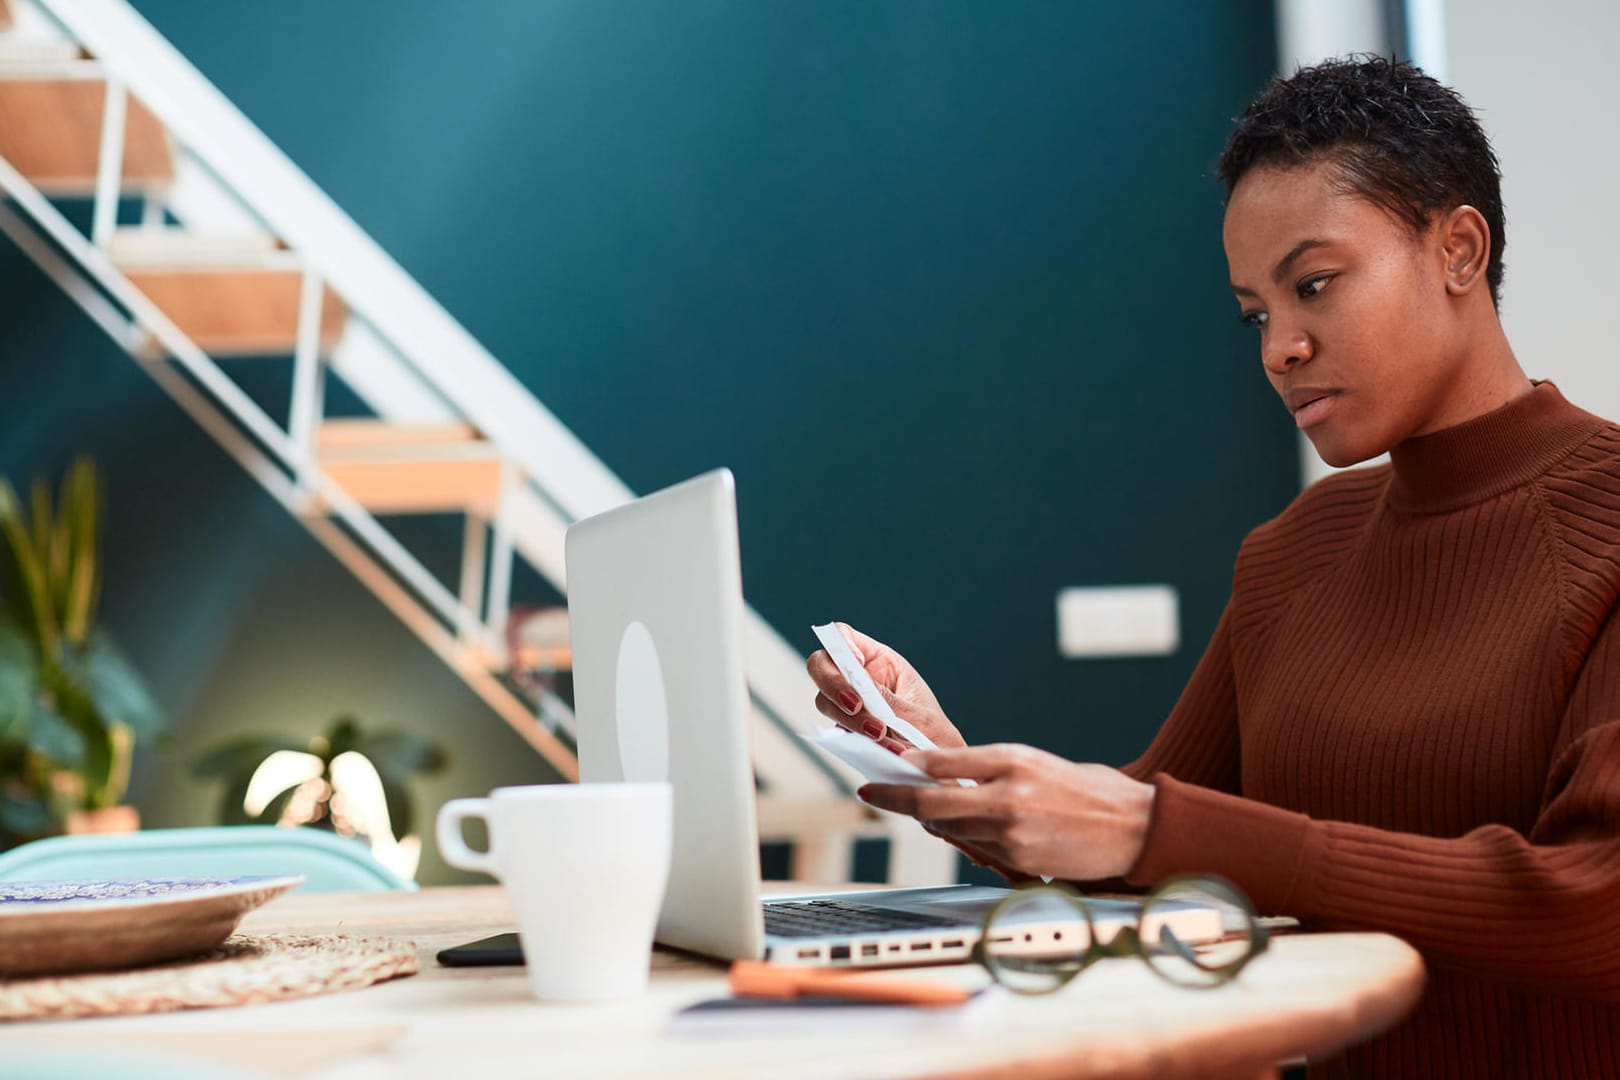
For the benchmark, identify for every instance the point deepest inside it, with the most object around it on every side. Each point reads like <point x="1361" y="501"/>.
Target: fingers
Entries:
<point x="837" y="700"/>
<point x="863" y="723"/>
<point x="935" y="805"/>
<point x="837" y="715"/>
<point x="893" y="743"/>
<point x="973" y="762"/>
<point x="832" y="684"/>
<point x="854" y="637"/>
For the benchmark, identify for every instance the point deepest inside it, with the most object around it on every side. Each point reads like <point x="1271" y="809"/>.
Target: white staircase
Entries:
<point x="237" y="252"/>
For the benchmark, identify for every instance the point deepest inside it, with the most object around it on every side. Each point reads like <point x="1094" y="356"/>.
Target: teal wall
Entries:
<point x="941" y="281"/>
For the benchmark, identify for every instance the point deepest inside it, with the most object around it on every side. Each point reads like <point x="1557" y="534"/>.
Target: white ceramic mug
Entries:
<point x="585" y="867"/>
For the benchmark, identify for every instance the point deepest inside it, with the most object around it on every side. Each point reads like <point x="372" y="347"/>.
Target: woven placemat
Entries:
<point x="243" y="970"/>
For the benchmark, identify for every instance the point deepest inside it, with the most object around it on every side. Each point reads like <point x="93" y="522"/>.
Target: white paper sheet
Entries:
<point x="866" y="757"/>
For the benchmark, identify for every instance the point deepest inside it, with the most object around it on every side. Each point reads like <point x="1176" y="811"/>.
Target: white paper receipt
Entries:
<point x="832" y="639"/>
<point x="866" y="757"/>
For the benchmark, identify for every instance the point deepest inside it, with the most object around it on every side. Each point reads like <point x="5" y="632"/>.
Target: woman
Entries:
<point x="1408" y="718"/>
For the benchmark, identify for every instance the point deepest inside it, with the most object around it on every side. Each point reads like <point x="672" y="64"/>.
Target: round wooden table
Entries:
<point x="1309" y="994"/>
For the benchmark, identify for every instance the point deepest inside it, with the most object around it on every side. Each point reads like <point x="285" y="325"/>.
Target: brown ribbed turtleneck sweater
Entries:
<point x="1408" y="720"/>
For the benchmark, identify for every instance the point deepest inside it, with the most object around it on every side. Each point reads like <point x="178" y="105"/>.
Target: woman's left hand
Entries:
<point x="1032" y="811"/>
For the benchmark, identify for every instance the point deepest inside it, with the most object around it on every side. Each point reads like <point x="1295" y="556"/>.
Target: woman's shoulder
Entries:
<point x="1595" y="457"/>
<point x="1339" y="504"/>
<point x="1307" y="539"/>
<point x="1580" y="497"/>
<point x="1581" y="493"/>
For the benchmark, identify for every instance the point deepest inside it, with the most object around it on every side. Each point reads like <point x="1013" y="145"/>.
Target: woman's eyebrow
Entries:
<point x="1282" y="266"/>
<point x="1288" y="259"/>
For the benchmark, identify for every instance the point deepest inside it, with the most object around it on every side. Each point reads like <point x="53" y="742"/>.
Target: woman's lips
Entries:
<point x="1314" y="411"/>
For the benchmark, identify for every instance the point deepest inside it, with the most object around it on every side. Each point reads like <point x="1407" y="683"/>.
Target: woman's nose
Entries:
<point x="1285" y="348"/>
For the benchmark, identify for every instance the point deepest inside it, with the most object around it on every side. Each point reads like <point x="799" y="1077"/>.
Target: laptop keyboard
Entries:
<point x="838" y="918"/>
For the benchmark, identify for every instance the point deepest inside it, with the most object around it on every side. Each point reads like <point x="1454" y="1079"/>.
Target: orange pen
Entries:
<point x="754" y="978"/>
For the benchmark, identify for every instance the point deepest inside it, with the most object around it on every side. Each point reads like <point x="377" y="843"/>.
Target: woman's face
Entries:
<point x="1351" y="307"/>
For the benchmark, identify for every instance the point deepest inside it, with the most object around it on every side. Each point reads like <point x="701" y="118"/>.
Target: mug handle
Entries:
<point x="452" y="848"/>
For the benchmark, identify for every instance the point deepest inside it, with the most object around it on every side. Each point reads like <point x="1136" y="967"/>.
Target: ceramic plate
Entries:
<point x="54" y="927"/>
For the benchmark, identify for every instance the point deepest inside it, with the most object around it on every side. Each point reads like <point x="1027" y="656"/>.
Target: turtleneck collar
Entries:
<point x="1490" y="454"/>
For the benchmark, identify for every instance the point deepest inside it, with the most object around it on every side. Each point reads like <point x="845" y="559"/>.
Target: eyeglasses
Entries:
<point x="1192" y="931"/>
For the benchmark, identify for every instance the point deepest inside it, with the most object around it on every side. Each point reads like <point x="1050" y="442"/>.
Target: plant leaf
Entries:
<point x="12" y="590"/>
<point x="273" y="810"/>
<point x="343" y="736"/>
<point x="25" y="576"/>
<point x="118" y="690"/>
<point x="19" y="678"/>
<point x="121" y="743"/>
<point x="98" y="760"/>
<point x="79" y="520"/>
<point x="400" y="754"/>
<point x="72" y="699"/>
<point x="240" y="757"/>
<point x="401" y="807"/>
<point x="40" y="523"/>
<point x="53" y="738"/>
<point x="25" y="817"/>
<point x="231" y="810"/>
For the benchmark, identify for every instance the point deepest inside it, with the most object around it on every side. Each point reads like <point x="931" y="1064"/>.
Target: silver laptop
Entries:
<point x="661" y="692"/>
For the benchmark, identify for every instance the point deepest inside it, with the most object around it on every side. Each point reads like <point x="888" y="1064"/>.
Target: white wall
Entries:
<point x="1543" y="81"/>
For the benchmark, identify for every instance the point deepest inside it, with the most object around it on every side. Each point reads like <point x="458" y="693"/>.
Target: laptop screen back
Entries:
<point x="661" y="692"/>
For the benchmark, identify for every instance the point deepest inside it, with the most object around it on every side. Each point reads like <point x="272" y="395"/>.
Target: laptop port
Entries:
<point x="952" y="944"/>
<point x="921" y="946"/>
<point x="809" y="954"/>
<point x="869" y="950"/>
<point x="840" y="952"/>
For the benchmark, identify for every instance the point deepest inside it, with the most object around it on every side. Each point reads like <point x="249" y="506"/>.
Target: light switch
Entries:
<point x="1118" y="620"/>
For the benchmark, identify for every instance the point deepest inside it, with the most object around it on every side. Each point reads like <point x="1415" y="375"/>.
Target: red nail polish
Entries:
<point x="850" y="702"/>
<point x="874" y="729"/>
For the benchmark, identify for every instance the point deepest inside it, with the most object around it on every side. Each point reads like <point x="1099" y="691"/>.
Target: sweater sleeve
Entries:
<point x="1198" y="742"/>
<point x="1535" y="909"/>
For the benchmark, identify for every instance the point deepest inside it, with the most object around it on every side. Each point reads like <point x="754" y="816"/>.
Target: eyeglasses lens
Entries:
<point x="1036" y="940"/>
<point x="1198" y="933"/>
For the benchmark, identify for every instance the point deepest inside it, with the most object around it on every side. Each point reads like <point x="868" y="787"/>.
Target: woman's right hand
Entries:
<point x="896" y="680"/>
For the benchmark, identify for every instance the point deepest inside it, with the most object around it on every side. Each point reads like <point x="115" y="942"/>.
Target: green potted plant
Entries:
<point x="320" y="782"/>
<point x="71" y="706"/>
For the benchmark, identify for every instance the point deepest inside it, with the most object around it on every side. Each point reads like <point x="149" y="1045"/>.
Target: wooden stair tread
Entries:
<point x="411" y="469"/>
<point x="530" y="658"/>
<point x="17" y="51"/>
<point x="183" y="249"/>
<point x="368" y="436"/>
<point x="419" y="487"/>
<point x="50" y="131"/>
<point x="541" y="658"/>
<point x="237" y="311"/>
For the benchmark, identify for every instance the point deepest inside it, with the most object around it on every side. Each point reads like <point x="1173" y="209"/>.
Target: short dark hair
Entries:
<point x="1396" y="136"/>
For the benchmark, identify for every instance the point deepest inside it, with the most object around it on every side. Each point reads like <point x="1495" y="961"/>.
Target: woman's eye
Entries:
<point x="1313" y="286"/>
<point x="1253" y="319"/>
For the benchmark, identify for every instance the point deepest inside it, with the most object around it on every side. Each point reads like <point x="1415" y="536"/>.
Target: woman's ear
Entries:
<point x="1465" y="240"/>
